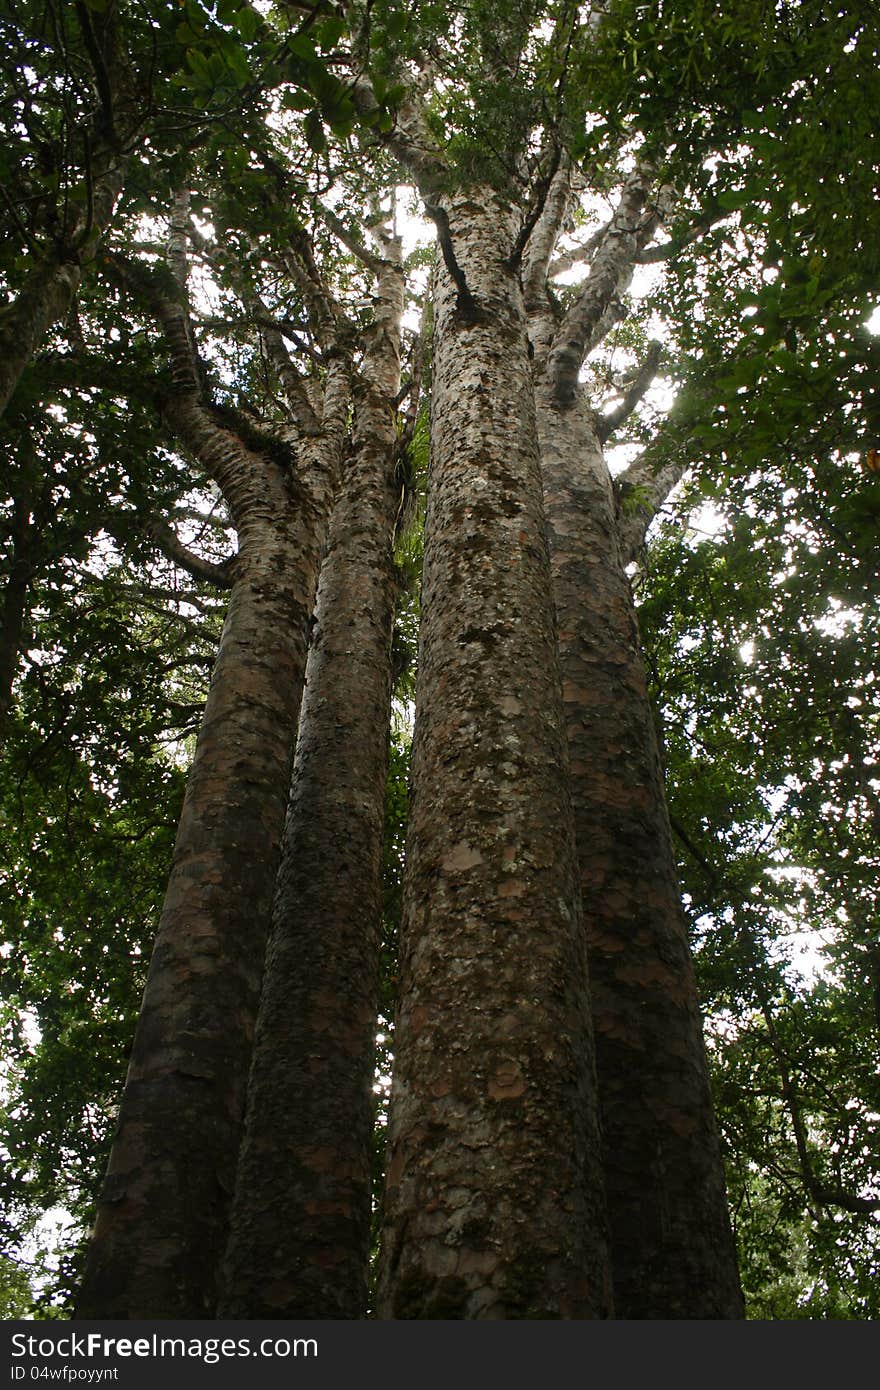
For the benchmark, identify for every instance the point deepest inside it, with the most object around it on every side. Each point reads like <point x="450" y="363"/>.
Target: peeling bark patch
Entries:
<point x="508" y="1082"/>
<point x="418" y="1017"/>
<point x="511" y="888"/>
<point x="486" y="636"/>
<point x="461" y="857"/>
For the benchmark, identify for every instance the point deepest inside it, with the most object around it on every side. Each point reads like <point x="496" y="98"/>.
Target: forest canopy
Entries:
<point x="582" y="299"/>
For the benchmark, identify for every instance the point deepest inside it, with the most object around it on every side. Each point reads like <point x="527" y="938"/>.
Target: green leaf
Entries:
<point x="395" y="23"/>
<point x="330" y="31"/>
<point x="198" y="64"/>
<point x="296" y="99"/>
<point x="247" y="22"/>
<point x="302" y="45"/>
<point x="313" y="129"/>
<point x="236" y="61"/>
<point x="227" y="11"/>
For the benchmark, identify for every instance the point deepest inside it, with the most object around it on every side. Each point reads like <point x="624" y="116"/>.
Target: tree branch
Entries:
<point x="610" y="274"/>
<point x="195" y="565"/>
<point x="357" y="248"/>
<point x="272" y="333"/>
<point x="646" y="374"/>
<point x="567" y="260"/>
<point x="166" y="304"/>
<point x="327" y="320"/>
<point x="545" y="233"/>
<point x="641" y="493"/>
<point x="295" y="395"/>
<point x="695" y="852"/>
<point x="84" y="369"/>
<point x="467" y="305"/>
<point x="99" y="65"/>
<point x="821" y="1193"/>
<point x="408" y="140"/>
<point x="668" y="250"/>
<point x="536" y="214"/>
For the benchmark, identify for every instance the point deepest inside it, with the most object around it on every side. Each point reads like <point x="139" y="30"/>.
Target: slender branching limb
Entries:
<point x="709" y="869"/>
<point x="585" y="322"/>
<point x="296" y="397"/>
<point x="822" y="1194"/>
<point x="544" y="232"/>
<point x="328" y="322"/>
<point x="543" y="202"/>
<point x="168" y="541"/>
<point x="668" y="250"/>
<point x="578" y="255"/>
<point x="273" y="331"/>
<point x="641" y="493"/>
<point x="352" y="243"/>
<point x="98" y="59"/>
<point x="611" y="422"/>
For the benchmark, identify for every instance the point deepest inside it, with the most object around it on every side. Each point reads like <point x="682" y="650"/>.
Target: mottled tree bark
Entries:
<point x="162" y="1217"/>
<point x="300" y="1230"/>
<point x="671" y="1246"/>
<point x="672" y="1249"/>
<point x="493" y="1199"/>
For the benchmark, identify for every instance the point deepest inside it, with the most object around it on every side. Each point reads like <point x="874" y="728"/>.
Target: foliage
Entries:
<point x="89" y="800"/>
<point x="763" y="636"/>
<point x="764" y="676"/>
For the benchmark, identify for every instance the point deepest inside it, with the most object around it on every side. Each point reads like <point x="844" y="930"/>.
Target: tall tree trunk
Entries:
<point x="672" y="1249"/>
<point x="493" y="1199"/>
<point x="300" y="1230"/>
<point x="162" y="1219"/>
